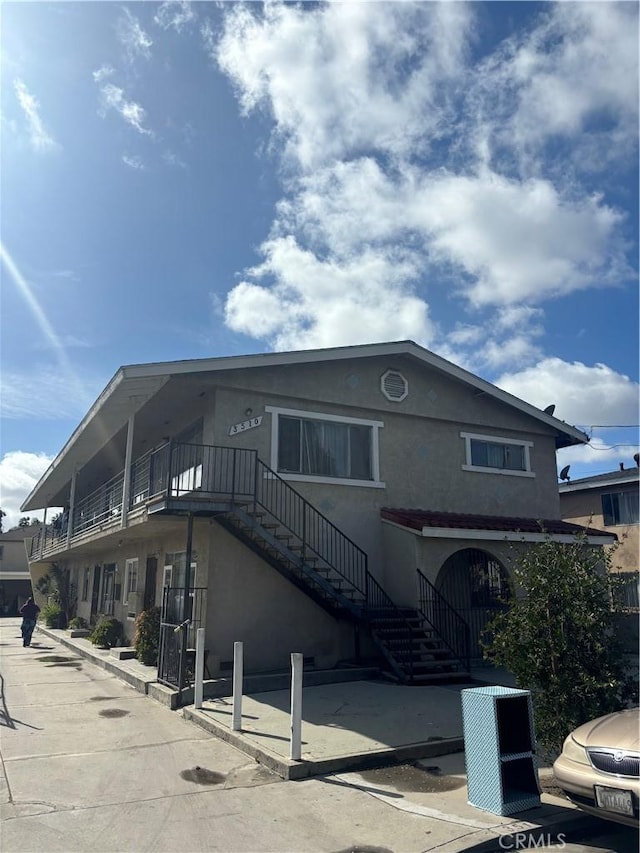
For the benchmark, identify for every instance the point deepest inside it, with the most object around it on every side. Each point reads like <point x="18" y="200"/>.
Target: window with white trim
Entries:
<point x="324" y="448"/>
<point x="620" y="508"/>
<point x="495" y="455"/>
<point x="130" y="580"/>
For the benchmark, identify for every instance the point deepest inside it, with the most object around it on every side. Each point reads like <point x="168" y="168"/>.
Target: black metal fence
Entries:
<point x="178" y="631"/>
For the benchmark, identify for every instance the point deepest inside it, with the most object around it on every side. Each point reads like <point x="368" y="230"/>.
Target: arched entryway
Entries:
<point x="475" y="583"/>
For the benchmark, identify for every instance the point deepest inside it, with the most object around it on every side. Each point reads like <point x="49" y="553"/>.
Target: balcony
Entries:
<point x="170" y="478"/>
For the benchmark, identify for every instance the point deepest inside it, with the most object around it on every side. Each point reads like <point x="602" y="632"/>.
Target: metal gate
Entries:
<point x="178" y="627"/>
<point x="477" y="585"/>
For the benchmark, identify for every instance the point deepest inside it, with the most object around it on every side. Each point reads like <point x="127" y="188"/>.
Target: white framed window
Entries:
<point x="493" y="455"/>
<point x="130" y="587"/>
<point x="319" y="448"/>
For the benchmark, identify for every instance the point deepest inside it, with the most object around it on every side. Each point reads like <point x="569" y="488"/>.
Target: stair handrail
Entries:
<point x="311" y="519"/>
<point x="453" y="629"/>
<point x="243" y="474"/>
<point x="382" y="602"/>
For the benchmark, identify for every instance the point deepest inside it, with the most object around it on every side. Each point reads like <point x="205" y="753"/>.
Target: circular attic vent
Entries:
<point x="394" y="386"/>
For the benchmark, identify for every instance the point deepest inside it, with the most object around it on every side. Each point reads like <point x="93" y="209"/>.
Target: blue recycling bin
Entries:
<point x="499" y="745"/>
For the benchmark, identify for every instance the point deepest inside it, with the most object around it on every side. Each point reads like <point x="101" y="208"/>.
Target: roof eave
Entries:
<point x="565" y="435"/>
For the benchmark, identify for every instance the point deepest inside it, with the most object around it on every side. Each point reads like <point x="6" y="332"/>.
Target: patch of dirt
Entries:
<point x="202" y="776"/>
<point x="409" y="778"/>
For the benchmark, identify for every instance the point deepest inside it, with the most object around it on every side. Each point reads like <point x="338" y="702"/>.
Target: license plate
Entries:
<point x="614" y="800"/>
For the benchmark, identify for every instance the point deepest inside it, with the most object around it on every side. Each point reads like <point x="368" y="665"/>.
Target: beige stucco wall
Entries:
<point x="250" y="602"/>
<point x="247" y="601"/>
<point x="585" y="507"/>
<point x="421" y="451"/>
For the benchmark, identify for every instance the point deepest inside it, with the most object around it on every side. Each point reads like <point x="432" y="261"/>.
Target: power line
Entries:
<point x="614" y="426"/>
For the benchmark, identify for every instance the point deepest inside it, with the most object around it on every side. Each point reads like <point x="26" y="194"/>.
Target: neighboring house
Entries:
<point x="15" y="580"/>
<point x="342" y="503"/>
<point x="610" y="502"/>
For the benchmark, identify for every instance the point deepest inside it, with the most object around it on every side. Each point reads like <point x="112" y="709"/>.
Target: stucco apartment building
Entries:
<point x="610" y="502"/>
<point x="15" y="580"/>
<point x="345" y="503"/>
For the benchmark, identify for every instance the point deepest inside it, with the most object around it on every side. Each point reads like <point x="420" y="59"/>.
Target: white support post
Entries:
<point x="126" y="483"/>
<point x="43" y="535"/>
<point x="70" y="509"/>
<point x="295" y="752"/>
<point x="198" y="686"/>
<point x="236" y="720"/>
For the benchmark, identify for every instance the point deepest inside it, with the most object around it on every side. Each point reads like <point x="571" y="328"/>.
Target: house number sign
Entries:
<point x="245" y="425"/>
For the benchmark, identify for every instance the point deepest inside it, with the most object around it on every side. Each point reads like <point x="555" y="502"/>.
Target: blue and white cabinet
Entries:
<point x="499" y="745"/>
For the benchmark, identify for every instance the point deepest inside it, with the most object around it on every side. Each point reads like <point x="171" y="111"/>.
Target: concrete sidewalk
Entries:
<point x="401" y="746"/>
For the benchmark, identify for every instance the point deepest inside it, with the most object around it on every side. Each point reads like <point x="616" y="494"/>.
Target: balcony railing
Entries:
<point x="205" y="471"/>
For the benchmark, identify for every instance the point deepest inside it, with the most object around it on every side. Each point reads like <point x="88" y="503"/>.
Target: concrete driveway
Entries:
<point x="90" y="764"/>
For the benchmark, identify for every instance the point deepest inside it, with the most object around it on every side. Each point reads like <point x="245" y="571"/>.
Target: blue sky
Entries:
<point x="191" y="180"/>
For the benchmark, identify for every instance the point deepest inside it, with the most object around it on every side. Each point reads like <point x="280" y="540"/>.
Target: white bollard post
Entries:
<point x="198" y="687"/>
<point x="236" y="719"/>
<point x="295" y="752"/>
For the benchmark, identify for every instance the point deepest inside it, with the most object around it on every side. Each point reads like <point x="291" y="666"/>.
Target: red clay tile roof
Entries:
<point x="416" y="519"/>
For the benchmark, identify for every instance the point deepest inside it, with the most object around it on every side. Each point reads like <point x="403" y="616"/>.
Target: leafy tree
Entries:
<point x="58" y="587"/>
<point x="3" y="514"/>
<point x="25" y="521"/>
<point x="558" y="637"/>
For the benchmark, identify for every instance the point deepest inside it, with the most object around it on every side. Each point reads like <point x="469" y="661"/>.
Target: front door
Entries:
<point x="150" y="583"/>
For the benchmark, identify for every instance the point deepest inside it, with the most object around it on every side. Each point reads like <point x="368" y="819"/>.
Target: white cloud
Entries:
<point x="172" y="159"/>
<point x="582" y="395"/>
<point x="133" y="161"/>
<point x="521" y="241"/>
<point x="174" y="14"/>
<point x="132" y="37"/>
<point x="102" y="73"/>
<point x="19" y="473"/>
<point x="582" y="60"/>
<point x="40" y="139"/>
<point x="406" y="156"/>
<point x="343" y="78"/>
<point x="112" y="97"/>
<point x="318" y="303"/>
<point x="598" y="455"/>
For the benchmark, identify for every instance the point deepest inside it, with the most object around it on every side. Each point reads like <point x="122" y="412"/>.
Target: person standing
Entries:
<point x="29" y="612"/>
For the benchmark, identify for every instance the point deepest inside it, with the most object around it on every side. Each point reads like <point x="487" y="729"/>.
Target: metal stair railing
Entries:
<point x="242" y="476"/>
<point x="445" y="620"/>
<point x="380" y="606"/>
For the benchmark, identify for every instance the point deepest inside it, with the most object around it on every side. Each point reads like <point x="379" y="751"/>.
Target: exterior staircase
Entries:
<point x="271" y="518"/>
<point x="413" y="650"/>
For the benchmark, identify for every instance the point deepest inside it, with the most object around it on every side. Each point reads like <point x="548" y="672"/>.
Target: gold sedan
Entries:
<point x="598" y="768"/>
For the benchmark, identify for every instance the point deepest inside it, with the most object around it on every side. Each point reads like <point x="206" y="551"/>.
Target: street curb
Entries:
<point x="113" y="668"/>
<point x="533" y="835"/>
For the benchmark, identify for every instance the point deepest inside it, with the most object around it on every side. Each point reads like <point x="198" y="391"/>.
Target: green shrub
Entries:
<point x="107" y="633"/>
<point x="78" y="622"/>
<point x="147" y="636"/>
<point x="558" y="638"/>
<point x="52" y="614"/>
